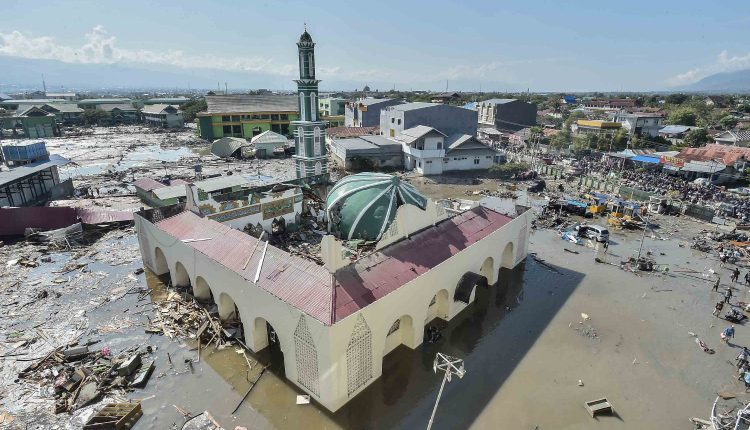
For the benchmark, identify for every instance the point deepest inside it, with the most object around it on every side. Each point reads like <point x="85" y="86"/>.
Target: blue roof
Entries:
<point x="577" y="203"/>
<point x="570" y="99"/>
<point x="646" y="159"/>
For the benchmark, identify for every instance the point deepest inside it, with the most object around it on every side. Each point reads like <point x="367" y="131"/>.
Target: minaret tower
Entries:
<point x="309" y="131"/>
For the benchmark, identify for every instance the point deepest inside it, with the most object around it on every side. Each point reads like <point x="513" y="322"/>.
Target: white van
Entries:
<point x="592" y="231"/>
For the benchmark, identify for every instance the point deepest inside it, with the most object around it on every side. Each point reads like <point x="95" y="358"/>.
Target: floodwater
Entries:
<point x="140" y="157"/>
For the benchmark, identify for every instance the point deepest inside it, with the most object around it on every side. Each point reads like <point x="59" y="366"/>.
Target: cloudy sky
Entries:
<point x="496" y="45"/>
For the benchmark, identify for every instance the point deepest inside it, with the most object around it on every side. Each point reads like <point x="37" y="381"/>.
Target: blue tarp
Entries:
<point x="646" y="159"/>
<point x="577" y="203"/>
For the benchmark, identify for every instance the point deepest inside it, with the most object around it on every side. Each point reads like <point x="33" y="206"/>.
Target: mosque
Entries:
<point x="334" y="322"/>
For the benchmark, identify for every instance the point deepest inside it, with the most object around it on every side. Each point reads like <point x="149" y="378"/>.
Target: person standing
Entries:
<point x="747" y="279"/>
<point x="716" y="285"/>
<point x="717" y="309"/>
<point x="735" y="274"/>
<point x="727" y="333"/>
<point x="728" y="295"/>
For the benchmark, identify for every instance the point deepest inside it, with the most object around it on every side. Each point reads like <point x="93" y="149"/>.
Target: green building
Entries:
<point x="31" y="123"/>
<point x="246" y="116"/>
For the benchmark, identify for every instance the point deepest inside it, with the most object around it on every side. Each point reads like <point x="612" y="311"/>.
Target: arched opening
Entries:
<point x="488" y="270"/>
<point x="508" y="259"/>
<point x="181" y="277"/>
<point x="400" y="332"/>
<point x="267" y="345"/>
<point x="466" y="286"/>
<point x="160" y="262"/>
<point x="227" y="309"/>
<point x="437" y="316"/>
<point x="201" y="290"/>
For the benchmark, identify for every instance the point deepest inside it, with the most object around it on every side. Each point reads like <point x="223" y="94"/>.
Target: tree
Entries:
<point x="561" y="139"/>
<point x="95" y="116"/>
<point x="620" y="140"/>
<point x="677" y="99"/>
<point x="192" y="107"/>
<point x="696" y="137"/>
<point x="573" y="117"/>
<point x="728" y="122"/>
<point x="682" y="116"/>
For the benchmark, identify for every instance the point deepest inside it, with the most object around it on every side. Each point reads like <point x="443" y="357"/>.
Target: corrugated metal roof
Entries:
<point x="171" y="192"/>
<point x="29" y="169"/>
<point x="381" y="273"/>
<point x="296" y="281"/>
<point x="460" y="141"/>
<point x="157" y="108"/>
<point x="221" y="182"/>
<point x="251" y="103"/>
<point x="269" y="137"/>
<point x="226" y="146"/>
<point x="411" y="134"/>
<point x="95" y="216"/>
<point x="121" y="106"/>
<point x="416" y="105"/>
<point x="498" y="101"/>
<point x="676" y="129"/>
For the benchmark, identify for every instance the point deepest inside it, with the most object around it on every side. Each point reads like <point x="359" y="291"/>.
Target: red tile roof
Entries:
<point x="342" y="132"/>
<point x="148" y="184"/>
<point x="714" y="151"/>
<point x="294" y="280"/>
<point x="307" y="286"/>
<point x="381" y="273"/>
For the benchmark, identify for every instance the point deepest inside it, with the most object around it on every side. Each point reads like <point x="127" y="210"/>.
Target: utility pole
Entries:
<point x="643" y="237"/>
<point x="451" y="366"/>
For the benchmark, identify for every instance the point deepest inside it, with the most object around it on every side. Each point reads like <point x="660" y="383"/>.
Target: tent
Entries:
<point x="226" y="146"/>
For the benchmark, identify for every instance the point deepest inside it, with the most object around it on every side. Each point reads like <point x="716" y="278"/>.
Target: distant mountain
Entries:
<point x="727" y="82"/>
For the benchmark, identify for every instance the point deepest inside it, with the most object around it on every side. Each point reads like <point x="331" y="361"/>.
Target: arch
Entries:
<point x="201" y="289"/>
<point x="160" y="262"/>
<point x="266" y="338"/>
<point x="301" y="137"/>
<point x="400" y="332"/>
<point x="227" y="309"/>
<point x="508" y="256"/>
<point x="181" y="277"/>
<point x="359" y="356"/>
<point x="466" y="285"/>
<point x="306" y="355"/>
<point x="318" y="168"/>
<point x="313" y="107"/>
<point x="488" y="270"/>
<point x="302" y="116"/>
<point x="316" y="142"/>
<point x="439" y="306"/>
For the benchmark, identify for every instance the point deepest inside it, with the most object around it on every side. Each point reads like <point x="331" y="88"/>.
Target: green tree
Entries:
<point x="573" y="117"/>
<point x="192" y="107"/>
<point x="95" y="116"/>
<point x="728" y="122"/>
<point x="696" y="137"/>
<point x="677" y="99"/>
<point x="682" y="116"/>
<point x="561" y="139"/>
<point x="620" y="140"/>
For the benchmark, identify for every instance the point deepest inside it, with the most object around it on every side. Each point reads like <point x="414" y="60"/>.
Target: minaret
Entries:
<point x="309" y="131"/>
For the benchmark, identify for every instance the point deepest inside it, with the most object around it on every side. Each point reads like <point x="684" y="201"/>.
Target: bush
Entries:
<point x="507" y="170"/>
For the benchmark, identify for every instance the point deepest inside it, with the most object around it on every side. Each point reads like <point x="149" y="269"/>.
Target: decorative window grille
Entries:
<point x="301" y="137"/>
<point x="302" y="106"/>
<point x="359" y="356"/>
<point x="394" y="328"/>
<point x="313" y="107"/>
<point x="316" y="147"/>
<point x="307" y="357"/>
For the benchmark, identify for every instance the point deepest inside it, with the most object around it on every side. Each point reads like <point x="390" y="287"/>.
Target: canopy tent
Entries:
<point x="226" y="146"/>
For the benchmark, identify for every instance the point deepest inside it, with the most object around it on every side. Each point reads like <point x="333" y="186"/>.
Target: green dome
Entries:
<point x="362" y="206"/>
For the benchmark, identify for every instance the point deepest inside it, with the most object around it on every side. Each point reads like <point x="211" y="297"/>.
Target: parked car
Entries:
<point x="593" y="231"/>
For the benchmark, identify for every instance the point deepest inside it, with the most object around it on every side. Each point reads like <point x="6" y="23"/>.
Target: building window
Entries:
<point x="440" y="145"/>
<point x="394" y="328"/>
<point x="318" y="168"/>
<point x="302" y="106"/>
<point x="284" y="117"/>
<point x="399" y="121"/>
<point x="227" y="129"/>
<point x="428" y="161"/>
<point x="313" y="107"/>
<point x="445" y="160"/>
<point x="237" y="129"/>
<point x="393" y="120"/>
<point x="225" y="118"/>
<point x="302" y="169"/>
<point x="316" y="142"/>
<point x="359" y="355"/>
<point x="476" y="161"/>
<point x="300" y="141"/>
<point x="274" y="117"/>
<point x="235" y="118"/>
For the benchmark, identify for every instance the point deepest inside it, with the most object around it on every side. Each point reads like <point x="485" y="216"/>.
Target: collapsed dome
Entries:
<point x="362" y="206"/>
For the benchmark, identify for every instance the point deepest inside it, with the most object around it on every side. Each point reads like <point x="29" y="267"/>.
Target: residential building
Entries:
<point x="32" y="175"/>
<point x="163" y="116"/>
<point x="175" y="101"/>
<point x="445" y="98"/>
<point x="733" y="138"/>
<point x="119" y="113"/>
<point x="30" y="122"/>
<point x="332" y="111"/>
<point x="367" y="153"/>
<point x="21" y="104"/>
<point x="675" y="133"/>
<point x="61" y="96"/>
<point x="157" y="194"/>
<point x="607" y="104"/>
<point x="310" y="157"/>
<point x="4" y="97"/>
<point x="365" y="112"/>
<point x="640" y="123"/>
<point x="507" y="114"/>
<point x="423" y="149"/>
<point x="246" y="115"/>
<point x="268" y="144"/>
<point x="716" y="101"/>
<point x="99" y="103"/>
<point x="589" y="126"/>
<point x="65" y="113"/>
<point x="446" y="118"/>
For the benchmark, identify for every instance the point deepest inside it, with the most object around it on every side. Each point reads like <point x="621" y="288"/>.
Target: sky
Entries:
<point x="410" y="45"/>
